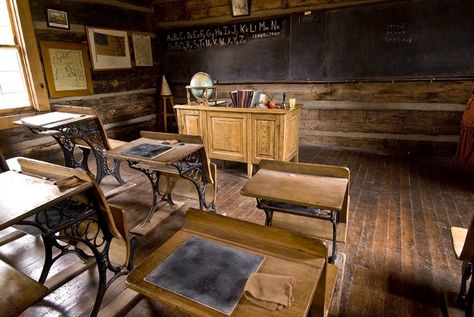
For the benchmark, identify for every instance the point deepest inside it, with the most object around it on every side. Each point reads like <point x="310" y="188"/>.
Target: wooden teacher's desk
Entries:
<point x="245" y="135"/>
<point x="288" y="254"/>
<point x="310" y="190"/>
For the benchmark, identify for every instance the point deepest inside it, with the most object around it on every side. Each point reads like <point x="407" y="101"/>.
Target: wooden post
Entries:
<point x="167" y="113"/>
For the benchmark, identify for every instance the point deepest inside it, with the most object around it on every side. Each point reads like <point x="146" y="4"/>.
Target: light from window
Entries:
<point x="13" y="90"/>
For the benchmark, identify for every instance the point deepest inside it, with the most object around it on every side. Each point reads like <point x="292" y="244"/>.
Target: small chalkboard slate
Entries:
<point x="147" y="150"/>
<point x="206" y="272"/>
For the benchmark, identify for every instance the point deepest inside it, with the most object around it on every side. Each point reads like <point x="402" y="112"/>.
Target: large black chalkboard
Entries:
<point x="418" y="39"/>
<point x="256" y="60"/>
<point x="414" y="39"/>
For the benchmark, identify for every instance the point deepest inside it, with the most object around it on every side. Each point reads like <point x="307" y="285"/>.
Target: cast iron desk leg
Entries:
<point x="154" y="178"/>
<point x="191" y="168"/>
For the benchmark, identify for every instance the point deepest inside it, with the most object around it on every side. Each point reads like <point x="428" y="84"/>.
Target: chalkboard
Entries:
<point x="419" y="39"/>
<point x="258" y="52"/>
<point x="416" y="39"/>
<point x="308" y="45"/>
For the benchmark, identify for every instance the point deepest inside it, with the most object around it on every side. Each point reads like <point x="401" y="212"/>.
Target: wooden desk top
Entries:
<point x="314" y="191"/>
<point x="244" y="110"/>
<point x="22" y="196"/>
<point x="279" y="259"/>
<point x="53" y="120"/>
<point x="179" y="151"/>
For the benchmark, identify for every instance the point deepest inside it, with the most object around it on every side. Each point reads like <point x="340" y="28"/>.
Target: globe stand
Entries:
<point x="209" y="95"/>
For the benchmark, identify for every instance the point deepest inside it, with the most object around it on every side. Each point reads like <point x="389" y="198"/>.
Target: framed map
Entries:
<point x="67" y="69"/>
<point x="109" y="49"/>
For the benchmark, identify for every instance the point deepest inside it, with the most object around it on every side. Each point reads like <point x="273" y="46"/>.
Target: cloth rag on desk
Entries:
<point x="270" y="291"/>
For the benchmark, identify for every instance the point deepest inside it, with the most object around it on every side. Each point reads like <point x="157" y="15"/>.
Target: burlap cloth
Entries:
<point x="270" y="291"/>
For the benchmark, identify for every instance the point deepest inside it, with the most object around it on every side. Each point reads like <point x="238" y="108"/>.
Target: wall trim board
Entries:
<point x="380" y="106"/>
<point x="12" y="147"/>
<point x="112" y="125"/>
<point x="73" y="28"/>
<point x="388" y="136"/>
<point x="216" y="20"/>
<point x="79" y="29"/>
<point x="148" y="91"/>
<point x="119" y="4"/>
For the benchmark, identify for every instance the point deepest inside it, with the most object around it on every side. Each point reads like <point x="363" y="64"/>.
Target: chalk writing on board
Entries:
<point x="307" y="19"/>
<point x="233" y="34"/>
<point x="397" y="33"/>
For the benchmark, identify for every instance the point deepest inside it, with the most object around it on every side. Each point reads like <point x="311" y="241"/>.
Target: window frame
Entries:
<point x="25" y="40"/>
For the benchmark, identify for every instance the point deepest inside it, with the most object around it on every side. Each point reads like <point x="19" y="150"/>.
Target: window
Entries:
<point x="13" y="91"/>
<point x="21" y="76"/>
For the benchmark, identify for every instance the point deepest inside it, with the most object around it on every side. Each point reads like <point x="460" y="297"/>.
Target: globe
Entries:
<point x="201" y="79"/>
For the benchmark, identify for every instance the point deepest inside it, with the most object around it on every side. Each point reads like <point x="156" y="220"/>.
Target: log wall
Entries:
<point x="395" y="117"/>
<point x="125" y="99"/>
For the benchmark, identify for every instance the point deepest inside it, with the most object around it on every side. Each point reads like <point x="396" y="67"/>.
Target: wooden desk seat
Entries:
<point x="172" y="182"/>
<point x="463" y="247"/>
<point x="313" y="227"/>
<point x="19" y="291"/>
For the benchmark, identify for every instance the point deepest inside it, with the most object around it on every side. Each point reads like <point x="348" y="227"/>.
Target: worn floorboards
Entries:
<point x="399" y="258"/>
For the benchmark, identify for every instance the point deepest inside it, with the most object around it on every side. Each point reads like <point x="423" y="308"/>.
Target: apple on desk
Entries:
<point x="271" y="104"/>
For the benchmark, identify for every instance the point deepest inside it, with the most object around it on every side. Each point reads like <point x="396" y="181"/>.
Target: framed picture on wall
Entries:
<point x="57" y="19"/>
<point x="109" y="49"/>
<point x="67" y="69"/>
<point x="142" y="49"/>
<point x="240" y="7"/>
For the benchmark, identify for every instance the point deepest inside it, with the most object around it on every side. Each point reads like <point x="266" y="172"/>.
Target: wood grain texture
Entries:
<point x="19" y="291"/>
<point x="398" y="248"/>
<point x="180" y="13"/>
<point x="243" y="134"/>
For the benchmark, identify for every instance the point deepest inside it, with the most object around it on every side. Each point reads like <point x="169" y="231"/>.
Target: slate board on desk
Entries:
<point x="206" y="272"/>
<point x="147" y="150"/>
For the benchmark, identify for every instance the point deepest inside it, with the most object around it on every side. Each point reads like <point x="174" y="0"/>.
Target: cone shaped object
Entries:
<point x="165" y="88"/>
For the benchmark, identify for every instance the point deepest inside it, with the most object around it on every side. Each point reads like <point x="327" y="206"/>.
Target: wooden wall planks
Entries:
<point x="397" y="117"/>
<point x="427" y="122"/>
<point x="120" y="96"/>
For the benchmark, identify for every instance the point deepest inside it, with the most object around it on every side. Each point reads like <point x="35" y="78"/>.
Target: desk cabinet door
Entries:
<point x="227" y="135"/>
<point x="265" y="137"/>
<point x="190" y="122"/>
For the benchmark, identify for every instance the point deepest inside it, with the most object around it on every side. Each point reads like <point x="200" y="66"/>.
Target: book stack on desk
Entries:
<point x="244" y="98"/>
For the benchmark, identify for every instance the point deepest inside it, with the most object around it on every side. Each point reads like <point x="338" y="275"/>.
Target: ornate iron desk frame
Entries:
<point x="86" y="130"/>
<point x="68" y="223"/>
<point x="190" y="167"/>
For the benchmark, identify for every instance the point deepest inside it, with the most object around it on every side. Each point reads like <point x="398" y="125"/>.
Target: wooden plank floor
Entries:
<point x="399" y="257"/>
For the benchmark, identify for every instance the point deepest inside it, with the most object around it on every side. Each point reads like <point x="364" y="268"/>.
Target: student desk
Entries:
<point x="69" y="218"/>
<point x="66" y="128"/>
<point x="186" y="159"/>
<point x="309" y="190"/>
<point x="292" y="255"/>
